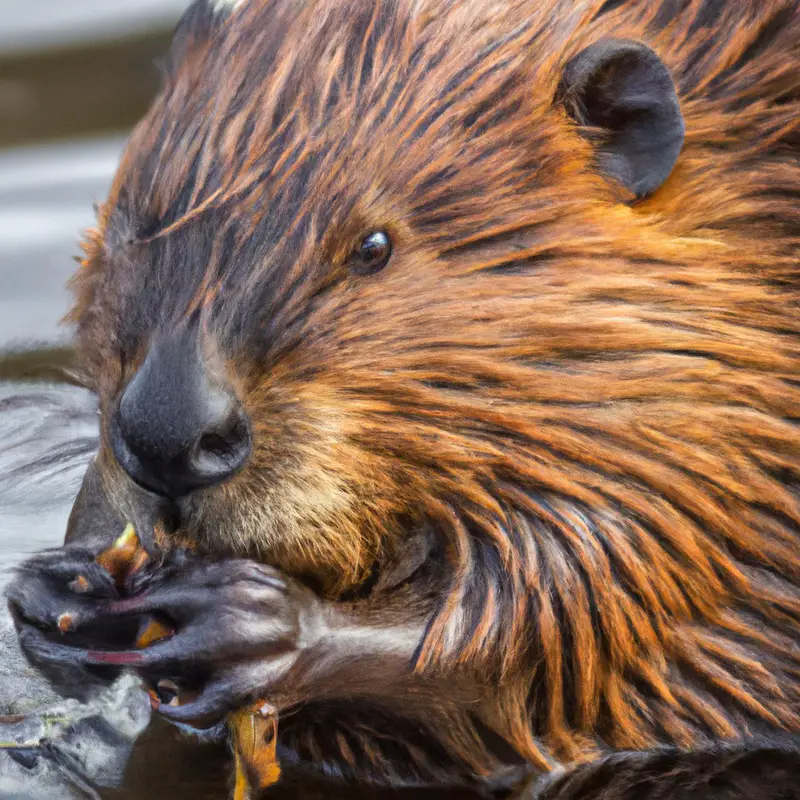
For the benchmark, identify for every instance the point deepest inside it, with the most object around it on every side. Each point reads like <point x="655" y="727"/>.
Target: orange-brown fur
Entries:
<point x="594" y="404"/>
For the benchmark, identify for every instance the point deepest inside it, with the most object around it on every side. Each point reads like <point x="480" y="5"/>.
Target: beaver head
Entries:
<point x="370" y="268"/>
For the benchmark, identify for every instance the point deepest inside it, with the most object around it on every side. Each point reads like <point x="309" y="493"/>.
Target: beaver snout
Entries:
<point x="179" y="426"/>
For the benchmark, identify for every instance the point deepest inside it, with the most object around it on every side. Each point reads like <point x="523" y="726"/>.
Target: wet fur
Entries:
<point x="725" y="771"/>
<point x="586" y="410"/>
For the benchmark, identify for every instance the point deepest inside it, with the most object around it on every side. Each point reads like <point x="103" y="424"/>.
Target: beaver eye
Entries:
<point x="373" y="253"/>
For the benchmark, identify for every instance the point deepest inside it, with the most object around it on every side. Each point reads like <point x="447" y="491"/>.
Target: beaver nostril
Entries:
<point x="216" y="444"/>
<point x="225" y="441"/>
<point x="222" y="450"/>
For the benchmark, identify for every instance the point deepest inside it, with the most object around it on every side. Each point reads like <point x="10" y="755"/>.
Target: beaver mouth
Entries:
<point x="186" y="519"/>
<point x="290" y="530"/>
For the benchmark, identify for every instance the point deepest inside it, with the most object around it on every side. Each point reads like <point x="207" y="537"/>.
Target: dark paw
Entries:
<point x="226" y="630"/>
<point x="238" y="630"/>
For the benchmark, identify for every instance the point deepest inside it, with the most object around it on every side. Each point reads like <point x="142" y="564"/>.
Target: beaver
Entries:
<point x="455" y="347"/>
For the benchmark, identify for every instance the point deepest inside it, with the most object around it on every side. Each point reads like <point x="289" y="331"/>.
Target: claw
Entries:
<point x="155" y="631"/>
<point x="65" y="622"/>
<point x="80" y="585"/>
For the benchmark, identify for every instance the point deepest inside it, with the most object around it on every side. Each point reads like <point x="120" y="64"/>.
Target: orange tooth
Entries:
<point x="117" y="559"/>
<point x="125" y="557"/>
<point x="254" y="734"/>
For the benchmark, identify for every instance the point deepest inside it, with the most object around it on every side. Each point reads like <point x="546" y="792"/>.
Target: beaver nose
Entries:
<point x="179" y="427"/>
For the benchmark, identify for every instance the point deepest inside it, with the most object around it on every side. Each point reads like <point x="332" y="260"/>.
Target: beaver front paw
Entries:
<point x="226" y="631"/>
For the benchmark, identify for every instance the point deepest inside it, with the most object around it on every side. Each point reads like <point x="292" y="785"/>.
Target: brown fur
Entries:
<point x="725" y="771"/>
<point x="594" y="406"/>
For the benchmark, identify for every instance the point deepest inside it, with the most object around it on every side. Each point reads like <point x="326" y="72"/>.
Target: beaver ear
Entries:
<point x="624" y="89"/>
